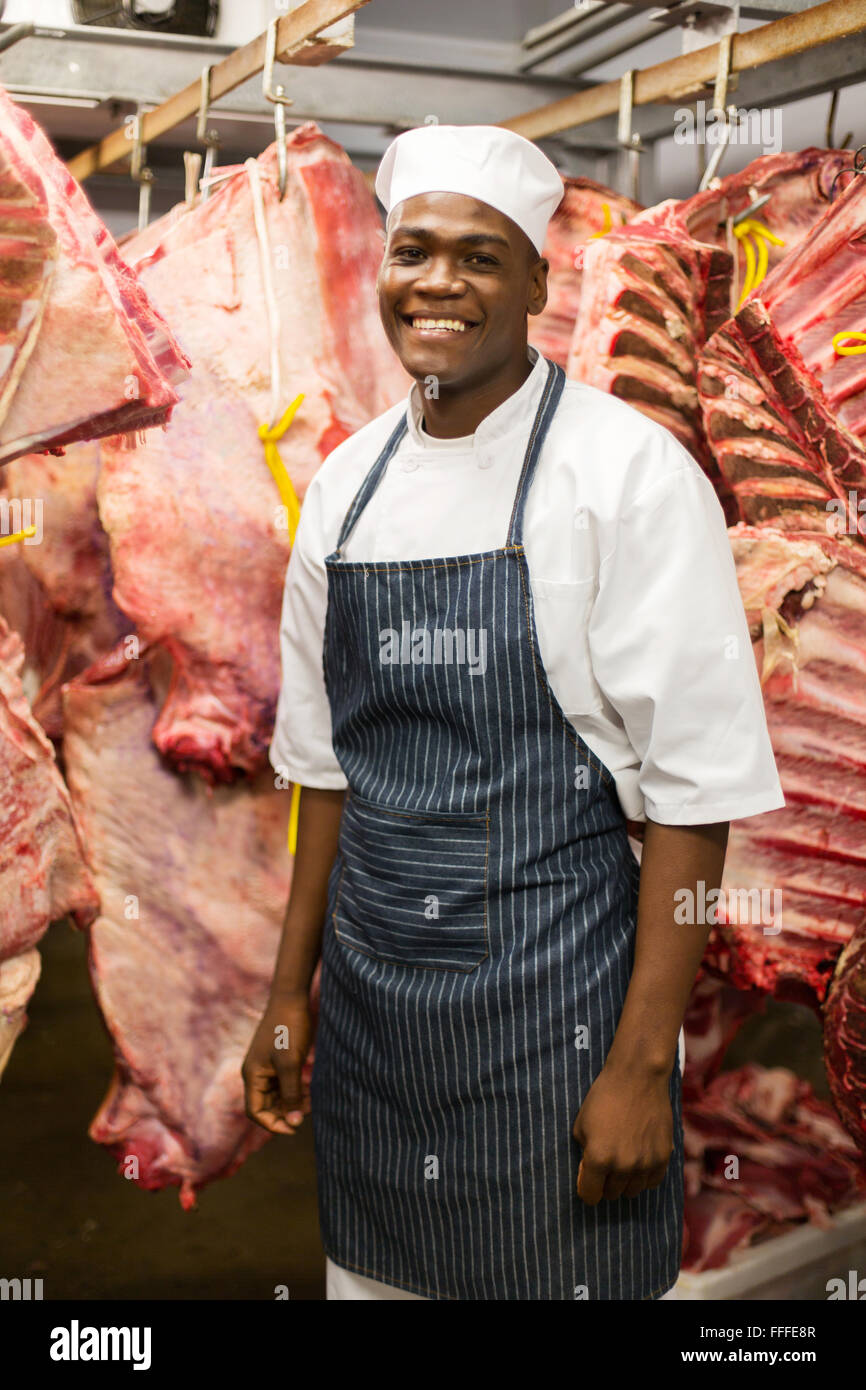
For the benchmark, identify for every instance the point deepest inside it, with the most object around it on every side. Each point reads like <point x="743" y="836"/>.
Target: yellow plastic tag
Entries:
<point x="858" y="338"/>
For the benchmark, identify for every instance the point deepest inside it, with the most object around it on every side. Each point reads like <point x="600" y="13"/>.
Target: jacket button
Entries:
<point x="409" y="464"/>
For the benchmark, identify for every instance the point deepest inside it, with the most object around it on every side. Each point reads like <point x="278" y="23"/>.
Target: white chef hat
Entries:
<point x="495" y="166"/>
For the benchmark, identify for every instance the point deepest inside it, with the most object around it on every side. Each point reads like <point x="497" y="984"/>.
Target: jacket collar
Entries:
<point x="513" y="417"/>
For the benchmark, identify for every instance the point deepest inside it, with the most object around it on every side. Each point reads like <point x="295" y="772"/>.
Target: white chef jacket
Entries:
<point x="641" y="628"/>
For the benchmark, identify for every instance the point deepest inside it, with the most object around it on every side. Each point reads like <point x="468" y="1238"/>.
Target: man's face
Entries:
<point x="456" y="283"/>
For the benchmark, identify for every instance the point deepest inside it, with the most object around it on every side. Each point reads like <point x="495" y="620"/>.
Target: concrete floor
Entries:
<point x="68" y="1217"/>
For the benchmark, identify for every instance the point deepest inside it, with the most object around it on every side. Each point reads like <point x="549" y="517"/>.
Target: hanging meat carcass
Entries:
<point x="587" y="210"/>
<point x="55" y="588"/>
<point x="276" y="299"/>
<point x="43" y="873"/>
<point x="807" y="614"/>
<point x="784" y="412"/>
<point x="845" y="1037"/>
<point x="716" y="1012"/>
<point x="85" y="352"/>
<point x="794" y="1162"/>
<point x="193" y="884"/>
<point x="653" y="291"/>
<point x="181" y="955"/>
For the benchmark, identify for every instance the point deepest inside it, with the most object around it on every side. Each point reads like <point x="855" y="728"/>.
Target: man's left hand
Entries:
<point x="625" y="1129"/>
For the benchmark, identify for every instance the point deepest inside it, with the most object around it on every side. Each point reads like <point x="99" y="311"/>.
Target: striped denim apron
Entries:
<point x="478" y="943"/>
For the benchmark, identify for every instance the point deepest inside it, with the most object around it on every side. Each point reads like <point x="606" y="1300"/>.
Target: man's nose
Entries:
<point x="440" y="276"/>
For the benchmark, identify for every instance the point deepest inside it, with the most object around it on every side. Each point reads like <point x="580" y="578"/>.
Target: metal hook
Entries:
<point x="858" y="167"/>
<point x="139" y="171"/>
<point x="276" y="95"/>
<point x="720" y="103"/>
<point x="191" y="172"/>
<point x="723" y="73"/>
<point x="754" y="206"/>
<point x="136" y="158"/>
<point x="627" y="139"/>
<point x="208" y="137"/>
<point x="831" y="124"/>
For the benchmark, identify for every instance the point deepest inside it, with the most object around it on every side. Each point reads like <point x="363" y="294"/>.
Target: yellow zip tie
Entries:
<point x="763" y="260"/>
<point x="608" y="222"/>
<point x="758" y="229"/>
<point x="748" y="283"/>
<point x="755" y="272"/>
<point x="19" y="536"/>
<point x="859" y="338"/>
<point x="294" y="811"/>
<point x="269" y="437"/>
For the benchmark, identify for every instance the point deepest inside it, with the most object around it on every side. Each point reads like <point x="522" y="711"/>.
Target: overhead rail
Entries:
<point x="298" y="40"/>
<point x="688" y="74"/>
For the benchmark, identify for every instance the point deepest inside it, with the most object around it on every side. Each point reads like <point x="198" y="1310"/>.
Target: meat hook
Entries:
<point x="276" y="95"/>
<point x="858" y="167"/>
<point x="209" y="138"/>
<point x="139" y="171"/>
<point x="627" y="139"/>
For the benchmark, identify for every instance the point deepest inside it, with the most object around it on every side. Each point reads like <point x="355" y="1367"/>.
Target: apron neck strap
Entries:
<point x="540" y="425"/>
<point x="371" y="482"/>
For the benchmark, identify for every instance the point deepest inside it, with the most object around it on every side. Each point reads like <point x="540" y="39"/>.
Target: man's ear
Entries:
<point x="537" y="296"/>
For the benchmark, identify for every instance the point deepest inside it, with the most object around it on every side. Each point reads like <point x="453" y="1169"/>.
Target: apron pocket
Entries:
<point x="413" y="886"/>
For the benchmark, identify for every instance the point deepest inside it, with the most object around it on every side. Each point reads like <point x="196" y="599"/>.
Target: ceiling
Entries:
<point x="458" y="61"/>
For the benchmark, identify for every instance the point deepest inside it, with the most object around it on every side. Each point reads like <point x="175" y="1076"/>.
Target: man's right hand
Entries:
<point x="274" y="1095"/>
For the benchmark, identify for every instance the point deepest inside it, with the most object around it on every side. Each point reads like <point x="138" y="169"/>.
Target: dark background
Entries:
<point x="71" y="1220"/>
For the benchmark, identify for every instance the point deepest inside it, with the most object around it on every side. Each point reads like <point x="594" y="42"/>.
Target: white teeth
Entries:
<point x="455" y="325"/>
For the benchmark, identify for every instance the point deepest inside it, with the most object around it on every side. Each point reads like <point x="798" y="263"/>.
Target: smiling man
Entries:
<point x="496" y="1096"/>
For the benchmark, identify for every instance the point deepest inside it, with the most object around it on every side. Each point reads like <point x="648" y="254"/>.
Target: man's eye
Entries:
<point x="408" y="251"/>
<point x="485" y="260"/>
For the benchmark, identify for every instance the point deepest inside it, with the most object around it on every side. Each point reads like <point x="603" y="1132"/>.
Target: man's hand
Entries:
<point x="275" y="1096"/>
<point x="625" y="1128"/>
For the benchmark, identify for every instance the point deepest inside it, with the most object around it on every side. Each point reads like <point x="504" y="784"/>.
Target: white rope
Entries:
<point x="252" y="169"/>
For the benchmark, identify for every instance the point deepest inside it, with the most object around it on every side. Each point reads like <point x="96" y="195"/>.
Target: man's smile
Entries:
<point x="429" y="325"/>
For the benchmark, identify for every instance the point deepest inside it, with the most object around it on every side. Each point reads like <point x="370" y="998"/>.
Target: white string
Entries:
<point x="252" y="169"/>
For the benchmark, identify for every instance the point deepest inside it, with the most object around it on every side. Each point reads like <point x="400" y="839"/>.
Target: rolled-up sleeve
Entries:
<point x="671" y="651"/>
<point x="301" y="748"/>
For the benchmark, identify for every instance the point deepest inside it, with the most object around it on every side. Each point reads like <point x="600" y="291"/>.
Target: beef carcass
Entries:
<point x="786" y="416"/>
<point x="807" y="615"/>
<point x="29" y="258"/>
<point x="653" y="291"/>
<point x="55" y="587"/>
<point x="43" y="874"/>
<point x="645" y="297"/>
<point x="587" y="210"/>
<point x="87" y="354"/>
<point x="199" y="541"/>
<point x="193" y="885"/>
<point x="794" y="1162"/>
<point x="715" y="1226"/>
<point x="798" y="189"/>
<point x="845" y="1037"/>
<point x="716" y="1012"/>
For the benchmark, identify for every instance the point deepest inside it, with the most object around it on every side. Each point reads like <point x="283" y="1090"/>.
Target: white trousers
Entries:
<point x="343" y="1284"/>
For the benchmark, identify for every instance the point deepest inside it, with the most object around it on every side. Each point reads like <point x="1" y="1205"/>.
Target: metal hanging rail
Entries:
<point x="685" y="76"/>
<point x="294" y="44"/>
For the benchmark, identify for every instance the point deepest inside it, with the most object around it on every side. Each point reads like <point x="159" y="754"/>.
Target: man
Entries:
<point x="511" y="621"/>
